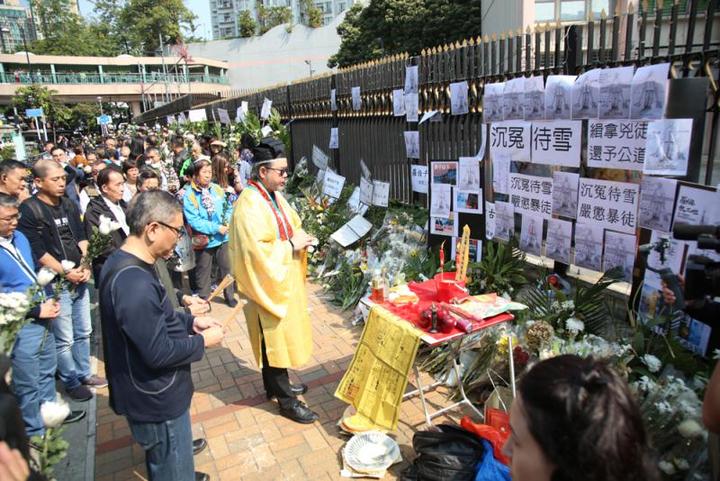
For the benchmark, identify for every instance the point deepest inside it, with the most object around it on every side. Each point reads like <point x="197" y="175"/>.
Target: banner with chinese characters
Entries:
<point x="616" y="144"/>
<point x="511" y="138"/>
<point x="612" y="205"/>
<point x="530" y="194"/>
<point x="556" y="142"/>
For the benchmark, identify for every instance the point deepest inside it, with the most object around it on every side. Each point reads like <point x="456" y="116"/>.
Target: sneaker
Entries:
<point x="74" y="416"/>
<point x="95" y="381"/>
<point x="80" y="393"/>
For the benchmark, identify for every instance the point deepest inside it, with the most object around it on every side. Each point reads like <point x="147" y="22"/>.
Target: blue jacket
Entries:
<point x="148" y="345"/>
<point x="197" y="216"/>
<point x="18" y="275"/>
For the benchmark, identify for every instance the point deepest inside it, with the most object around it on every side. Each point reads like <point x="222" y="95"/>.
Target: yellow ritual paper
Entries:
<point x="376" y="379"/>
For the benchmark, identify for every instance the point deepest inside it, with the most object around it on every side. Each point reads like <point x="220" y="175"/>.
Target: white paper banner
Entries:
<point x="565" y="193"/>
<point x="398" y="103"/>
<point x="612" y="205"/>
<point x="266" y="109"/>
<point x="531" y="230"/>
<point x="511" y="138"/>
<point x="333" y="184"/>
<point x="619" y="252"/>
<point x="366" y="191"/>
<point x="468" y="174"/>
<point x="559" y="240"/>
<point x="441" y="200"/>
<point x="319" y="158"/>
<point x="657" y="201"/>
<point x="224" y="116"/>
<point x="489" y="220"/>
<point x="334" y="138"/>
<point x="668" y="147"/>
<point x="531" y="194"/>
<point x="381" y="193"/>
<point x="197" y="115"/>
<point x="412" y="144"/>
<point x="616" y="144"/>
<point x="588" y="246"/>
<point x="556" y="142"/>
<point x="419" y="175"/>
<point x="356" y="100"/>
<point x="459" y="98"/>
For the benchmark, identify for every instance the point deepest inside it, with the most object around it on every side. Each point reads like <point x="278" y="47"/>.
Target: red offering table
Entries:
<point x="428" y="293"/>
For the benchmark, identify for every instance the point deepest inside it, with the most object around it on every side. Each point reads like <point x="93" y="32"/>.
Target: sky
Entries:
<point x="201" y="8"/>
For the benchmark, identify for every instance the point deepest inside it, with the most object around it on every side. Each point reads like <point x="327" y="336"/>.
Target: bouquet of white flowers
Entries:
<point x="14" y="307"/>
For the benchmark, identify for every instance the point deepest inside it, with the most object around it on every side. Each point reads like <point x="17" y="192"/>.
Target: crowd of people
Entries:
<point x="172" y="200"/>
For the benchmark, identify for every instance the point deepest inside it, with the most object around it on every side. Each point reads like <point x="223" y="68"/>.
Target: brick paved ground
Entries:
<point x="247" y="438"/>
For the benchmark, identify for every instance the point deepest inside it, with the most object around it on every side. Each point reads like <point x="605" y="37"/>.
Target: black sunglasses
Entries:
<point x="179" y="231"/>
<point x="282" y="172"/>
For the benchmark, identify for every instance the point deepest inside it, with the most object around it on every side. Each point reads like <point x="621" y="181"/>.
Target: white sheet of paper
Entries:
<point x="565" y="194"/>
<point x="352" y="231"/>
<point x="181" y="118"/>
<point x="513" y="96"/>
<point x="558" y="241"/>
<point x="171" y="119"/>
<point x="398" y="102"/>
<point x="241" y="111"/>
<point x="558" y="97"/>
<point x="657" y="202"/>
<point x="489" y="220"/>
<point x="441" y="196"/>
<point x="419" y="175"/>
<point x="266" y="109"/>
<point x="381" y="193"/>
<point x="668" y="147"/>
<point x="674" y="257"/>
<point x="611" y="205"/>
<point x="320" y="176"/>
<point x="459" y="98"/>
<point x="493" y="102"/>
<point x="534" y="98"/>
<point x="224" y="116"/>
<point x="556" y="142"/>
<point x="469" y="202"/>
<point x="333" y="184"/>
<point x="531" y="230"/>
<point x="504" y="220"/>
<point x="428" y="116"/>
<point x="412" y="144"/>
<point x="588" y="246"/>
<point x="444" y="226"/>
<point x="366" y="191"/>
<point x="696" y="207"/>
<point x="531" y="194"/>
<point x="266" y="131"/>
<point x="197" y="115"/>
<point x="319" y="158"/>
<point x="333" y="99"/>
<point x="364" y="170"/>
<point x="501" y="173"/>
<point x="615" y="85"/>
<point x="412" y="79"/>
<point x="648" y="93"/>
<point x="354" y="200"/>
<point x="412" y="103"/>
<point x="616" y="144"/>
<point x="334" y="138"/>
<point x="483" y="142"/>
<point x="356" y="100"/>
<point x="444" y="172"/>
<point x="619" y="251"/>
<point x="585" y="95"/>
<point x="468" y="174"/>
<point x="512" y="138"/>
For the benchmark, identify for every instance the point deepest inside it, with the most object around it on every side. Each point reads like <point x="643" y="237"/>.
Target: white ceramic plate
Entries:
<point x="371" y="451"/>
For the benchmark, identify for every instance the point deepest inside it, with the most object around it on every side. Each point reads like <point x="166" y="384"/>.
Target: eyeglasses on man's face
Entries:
<point x="283" y="172"/>
<point x="177" y="230"/>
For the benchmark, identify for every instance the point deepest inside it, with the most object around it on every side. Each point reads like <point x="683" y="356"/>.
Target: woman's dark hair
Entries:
<point x="145" y="174"/>
<point x="219" y="170"/>
<point x="137" y="147"/>
<point x="103" y="176"/>
<point x="586" y="421"/>
<point x="129" y="164"/>
<point x="195" y="167"/>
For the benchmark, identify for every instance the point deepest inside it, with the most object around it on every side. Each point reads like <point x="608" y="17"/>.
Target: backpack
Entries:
<point x="450" y="454"/>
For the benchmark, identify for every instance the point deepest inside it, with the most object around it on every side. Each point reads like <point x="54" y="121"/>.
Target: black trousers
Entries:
<point x="203" y="269"/>
<point x="276" y="380"/>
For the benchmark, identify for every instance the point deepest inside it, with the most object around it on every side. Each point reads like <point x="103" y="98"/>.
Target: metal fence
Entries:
<point x="687" y="34"/>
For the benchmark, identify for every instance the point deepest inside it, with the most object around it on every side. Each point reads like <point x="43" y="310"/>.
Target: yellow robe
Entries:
<point x="272" y="279"/>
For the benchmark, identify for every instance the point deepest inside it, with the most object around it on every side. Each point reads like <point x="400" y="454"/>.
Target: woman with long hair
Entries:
<point x="575" y="419"/>
<point x="224" y="175"/>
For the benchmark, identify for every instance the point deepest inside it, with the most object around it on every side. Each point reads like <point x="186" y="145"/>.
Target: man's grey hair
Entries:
<point x="9" y="201"/>
<point x="41" y="168"/>
<point x="151" y="206"/>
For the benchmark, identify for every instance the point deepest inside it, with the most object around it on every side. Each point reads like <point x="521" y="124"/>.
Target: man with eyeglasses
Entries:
<point x="149" y="346"/>
<point x="33" y="354"/>
<point x="268" y="248"/>
<point x="52" y="224"/>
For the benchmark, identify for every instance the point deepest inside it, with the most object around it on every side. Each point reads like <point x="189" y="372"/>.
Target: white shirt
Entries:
<point x="119" y="215"/>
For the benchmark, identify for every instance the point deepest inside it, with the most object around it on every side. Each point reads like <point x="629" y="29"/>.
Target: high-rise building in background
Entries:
<point x="224" y="14"/>
<point x="15" y="21"/>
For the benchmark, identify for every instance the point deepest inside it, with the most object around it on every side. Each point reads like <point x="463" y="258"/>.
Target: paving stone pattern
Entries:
<point x="247" y="438"/>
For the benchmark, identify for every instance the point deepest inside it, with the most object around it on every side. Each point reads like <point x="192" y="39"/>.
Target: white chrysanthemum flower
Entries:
<point x="690" y="429"/>
<point x="574" y="325"/>
<point x="667" y="467"/>
<point x="67" y="265"/>
<point x="653" y="363"/>
<point x="45" y="276"/>
<point x="569" y="305"/>
<point x="663" y="407"/>
<point x="54" y="412"/>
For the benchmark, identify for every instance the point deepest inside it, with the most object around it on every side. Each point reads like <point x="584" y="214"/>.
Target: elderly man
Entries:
<point x="149" y="346"/>
<point x="33" y="355"/>
<point x="12" y="179"/>
<point x="268" y="248"/>
<point x="52" y="225"/>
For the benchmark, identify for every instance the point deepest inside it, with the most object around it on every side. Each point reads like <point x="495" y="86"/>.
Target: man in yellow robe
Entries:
<point x="268" y="249"/>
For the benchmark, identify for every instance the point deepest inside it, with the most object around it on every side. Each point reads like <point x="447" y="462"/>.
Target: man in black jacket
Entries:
<point x="109" y="203"/>
<point x="57" y="238"/>
<point x="149" y="346"/>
